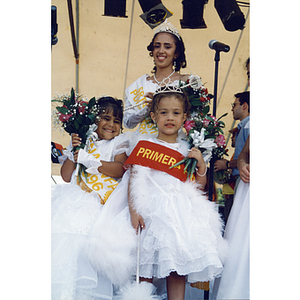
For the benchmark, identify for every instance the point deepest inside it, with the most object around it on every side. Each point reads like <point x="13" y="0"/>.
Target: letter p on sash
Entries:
<point x="141" y="150"/>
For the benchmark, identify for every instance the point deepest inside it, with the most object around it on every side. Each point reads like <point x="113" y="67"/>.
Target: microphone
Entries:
<point x="215" y="45"/>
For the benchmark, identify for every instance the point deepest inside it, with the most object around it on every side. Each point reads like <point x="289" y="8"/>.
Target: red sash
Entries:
<point x="157" y="157"/>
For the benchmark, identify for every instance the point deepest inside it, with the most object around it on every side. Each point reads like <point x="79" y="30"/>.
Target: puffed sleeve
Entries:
<point x="122" y="143"/>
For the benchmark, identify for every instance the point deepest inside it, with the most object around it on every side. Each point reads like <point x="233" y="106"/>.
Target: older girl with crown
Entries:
<point x="168" y="52"/>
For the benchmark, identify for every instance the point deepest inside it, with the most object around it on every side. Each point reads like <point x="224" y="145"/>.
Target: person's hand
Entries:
<point x="196" y="153"/>
<point x="76" y="140"/>
<point x="88" y="160"/>
<point x="220" y="164"/>
<point x="136" y="221"/>
<point x="149" y="95"/>
<point x="245" y="173"/>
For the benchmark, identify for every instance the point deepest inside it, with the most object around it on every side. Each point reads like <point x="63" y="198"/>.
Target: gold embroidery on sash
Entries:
<point x="102" y="184"/>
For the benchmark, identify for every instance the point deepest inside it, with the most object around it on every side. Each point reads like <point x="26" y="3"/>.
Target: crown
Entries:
<point x="166" y="26"/>
<point x="168" y="89"/>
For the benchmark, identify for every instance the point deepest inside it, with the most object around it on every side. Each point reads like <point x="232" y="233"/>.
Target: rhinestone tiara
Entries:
<point x="168" y="89"/>
<point x="166" y="26"/>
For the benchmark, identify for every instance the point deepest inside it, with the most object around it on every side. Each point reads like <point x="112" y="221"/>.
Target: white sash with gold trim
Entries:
<point x="135" y="94"/>
<point x="102" y="184"/>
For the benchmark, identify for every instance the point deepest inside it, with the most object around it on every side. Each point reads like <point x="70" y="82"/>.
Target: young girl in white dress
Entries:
<point x="181" y="236"/>
<point x="75" y="206"/>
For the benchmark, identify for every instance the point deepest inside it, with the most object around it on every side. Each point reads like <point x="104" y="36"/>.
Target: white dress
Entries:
<point x="183" y="229"/>
<point x="73" y="213"/>
<point x="234" y="283"/>
<point x="139" y="115"/>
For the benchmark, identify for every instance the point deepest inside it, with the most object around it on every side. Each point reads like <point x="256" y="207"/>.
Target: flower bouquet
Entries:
<point x="203" y="130"/>
<point x="76" y="115"/>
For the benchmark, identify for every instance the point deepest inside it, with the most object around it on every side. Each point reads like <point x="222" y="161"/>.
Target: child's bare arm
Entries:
<point x="69" y="166"/>
<point x="66" y="170"/>
<point x="135" y="218"/>
<point x="114" y="168"/>
<point x="201" y="173"/>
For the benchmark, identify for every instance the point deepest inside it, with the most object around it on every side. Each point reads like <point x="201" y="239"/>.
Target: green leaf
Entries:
<point x="72" y="96"/>
<point x="223" y="116"/>
<point x="91" y="117"/>
<point x="205" y="110"/>
<point x="179" y="163"/>
<point x="195" y="103"/>
<point x="62" y="110"/>
<point x="92" y="102"/>
<point x="76" y="124"/>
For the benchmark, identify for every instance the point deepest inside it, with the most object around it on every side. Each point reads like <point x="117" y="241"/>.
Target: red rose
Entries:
<point x="188" y="125"/>
<point x="202" y="99"/>
<point x="65" y="117"/>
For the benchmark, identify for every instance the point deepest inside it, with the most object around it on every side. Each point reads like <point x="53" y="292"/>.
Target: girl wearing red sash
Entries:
<point x="181" y="237"/>
<point x="181" y="230"/>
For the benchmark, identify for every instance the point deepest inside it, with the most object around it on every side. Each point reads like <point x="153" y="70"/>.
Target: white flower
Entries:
<point x="200" y="142"/>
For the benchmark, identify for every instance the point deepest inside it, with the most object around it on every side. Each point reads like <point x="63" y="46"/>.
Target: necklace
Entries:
<point x="164" y="80"/>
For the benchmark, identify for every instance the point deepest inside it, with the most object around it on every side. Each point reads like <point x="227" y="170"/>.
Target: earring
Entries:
<point x="174" y="64"/>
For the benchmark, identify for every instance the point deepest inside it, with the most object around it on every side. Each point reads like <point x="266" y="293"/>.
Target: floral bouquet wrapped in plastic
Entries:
<point x="76" y="115"/>
<point x="203" y="130"/>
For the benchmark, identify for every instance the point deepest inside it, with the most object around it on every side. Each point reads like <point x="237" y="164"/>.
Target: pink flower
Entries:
<point x="188" y="125"/>
<point x="220" y="140"/>
<point x="206" y="122"/>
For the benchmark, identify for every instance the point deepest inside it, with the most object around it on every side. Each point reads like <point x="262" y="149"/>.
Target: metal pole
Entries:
<point x="212" y="161"/>
<point x="77" y="46"/>
<point x="75" y="49"/>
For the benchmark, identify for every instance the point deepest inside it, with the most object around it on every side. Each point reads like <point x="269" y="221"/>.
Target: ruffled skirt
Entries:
<point x="74" y="212"/>
<point x="183" y="230"/>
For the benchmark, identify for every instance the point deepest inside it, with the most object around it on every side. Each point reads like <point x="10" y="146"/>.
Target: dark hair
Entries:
<point x="182" y="97"/>
<point x="107" y="104"/>
<point x="180" y="49"/>
<point x="244" y="97"/>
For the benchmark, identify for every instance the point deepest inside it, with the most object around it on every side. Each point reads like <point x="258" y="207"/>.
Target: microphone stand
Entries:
<point x="213" y="159"/>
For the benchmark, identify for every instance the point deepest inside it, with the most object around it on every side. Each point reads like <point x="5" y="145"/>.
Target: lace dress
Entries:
<point x="74" y="212"/>
<point x="183" y="229"/>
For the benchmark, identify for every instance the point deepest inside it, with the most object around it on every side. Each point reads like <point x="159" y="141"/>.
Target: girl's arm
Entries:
<point x="110" y="168"/>
<point x="114" y="168"/>
<point x="135" y="218"/>
<point x="202" y="169"/>
<point x="69" y="166"/>
<point x="243" y="162"/>
<point x="67" y="170"/>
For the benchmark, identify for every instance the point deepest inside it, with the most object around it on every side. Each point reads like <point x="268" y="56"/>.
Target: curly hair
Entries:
<point x="180" y="51"/>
